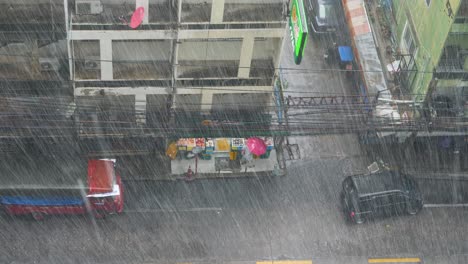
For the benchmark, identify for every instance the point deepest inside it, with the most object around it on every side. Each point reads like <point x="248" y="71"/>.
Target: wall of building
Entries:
<point x="266" y="48"/>
<point x="458" y="40"/>
<point x="452" y="83"/>
<point x="142" y="50"/>
<point x="424" y="21"/>
<point x="200" y="50"/>
<point x="237" y="64"/>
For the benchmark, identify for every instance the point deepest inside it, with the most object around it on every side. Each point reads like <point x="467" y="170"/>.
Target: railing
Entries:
<point x="193" y="15"/>
<point x="451" y="65"/>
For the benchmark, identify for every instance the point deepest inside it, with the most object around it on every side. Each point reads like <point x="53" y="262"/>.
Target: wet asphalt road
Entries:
<point x="243" y="219"/>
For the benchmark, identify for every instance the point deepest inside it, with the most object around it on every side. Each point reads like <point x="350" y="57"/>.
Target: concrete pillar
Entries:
<point x="281" y="47"/>
<point x="217" y="11"/>
<point x="246" y="57"/>
<point x="179" y="11"/>
<point x="145" y="5"/>
<point x="206" y="100"/>
<point x="106" y="59"/>
<point x="140" y="109"/>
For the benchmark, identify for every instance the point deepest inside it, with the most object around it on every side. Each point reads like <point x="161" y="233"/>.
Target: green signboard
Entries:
<point x="298" y="28"/>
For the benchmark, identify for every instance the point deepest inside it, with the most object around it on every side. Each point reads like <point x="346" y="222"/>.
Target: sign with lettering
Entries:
<point x="298" y="29"/>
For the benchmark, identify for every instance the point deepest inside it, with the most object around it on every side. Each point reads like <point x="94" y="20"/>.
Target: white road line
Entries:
<point x="444" y="205"/>
<point x="200" y="209"/>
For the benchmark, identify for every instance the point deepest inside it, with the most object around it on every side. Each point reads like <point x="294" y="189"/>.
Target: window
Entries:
<point x="365" y="205"/>
<point x="460" y="20"/>
<point x="408" y="39"/>
<point x="325" y="11"/>
<point x="348" y="185"/>
<point x="428" y="2"/>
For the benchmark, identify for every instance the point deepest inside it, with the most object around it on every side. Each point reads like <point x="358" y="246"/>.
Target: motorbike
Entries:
<point x="330" y="54"/>
<point x="346" y="60"/>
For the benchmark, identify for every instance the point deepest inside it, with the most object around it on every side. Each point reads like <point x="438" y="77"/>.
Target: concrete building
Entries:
<point x="189" y="61"/>
<point x="33" y="50"/>
<point x="443" y="55"/>
<point x="36" y="100"/>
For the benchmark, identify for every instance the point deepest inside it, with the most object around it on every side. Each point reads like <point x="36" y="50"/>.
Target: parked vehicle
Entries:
<point x="322" y="15"/>
<point x="102" y="195"/>
<point x="381" y="194"/>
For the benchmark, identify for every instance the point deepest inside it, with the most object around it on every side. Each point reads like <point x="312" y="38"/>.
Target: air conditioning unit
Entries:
<point x="88" y="7"/>
<point x="49" y="64"/>
<point x="92" y="63"/>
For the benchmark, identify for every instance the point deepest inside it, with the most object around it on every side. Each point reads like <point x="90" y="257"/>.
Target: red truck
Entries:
<point x="101" y="195"/>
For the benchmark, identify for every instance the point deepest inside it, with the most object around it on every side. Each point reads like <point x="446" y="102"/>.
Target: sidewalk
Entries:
<point x="438" y="185"/>
<point x="158" y="167"/>
<point x="221" y="166"/>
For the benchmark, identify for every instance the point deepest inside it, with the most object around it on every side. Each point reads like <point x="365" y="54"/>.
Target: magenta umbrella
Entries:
<point x="256" y="146"/>
<point x="137" y="17"/>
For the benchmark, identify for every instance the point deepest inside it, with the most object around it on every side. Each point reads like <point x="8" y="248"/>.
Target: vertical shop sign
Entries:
<point x="298" y="29"/>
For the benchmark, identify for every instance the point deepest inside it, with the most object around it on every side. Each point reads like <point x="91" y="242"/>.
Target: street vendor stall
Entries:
<point x="219" y="155"/>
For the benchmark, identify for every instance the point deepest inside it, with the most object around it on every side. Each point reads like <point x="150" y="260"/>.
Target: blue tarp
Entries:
<point x="52" y="201"/>
<point x="346" y="53"/>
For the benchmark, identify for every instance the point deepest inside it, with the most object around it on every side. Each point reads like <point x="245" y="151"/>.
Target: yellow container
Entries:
<point x="171" y="151"/>
<point x="233" y="155"/>
<point x="222" y="144"/>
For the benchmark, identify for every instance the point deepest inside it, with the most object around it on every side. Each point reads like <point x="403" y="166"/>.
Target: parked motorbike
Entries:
<point x="330" y="54"/>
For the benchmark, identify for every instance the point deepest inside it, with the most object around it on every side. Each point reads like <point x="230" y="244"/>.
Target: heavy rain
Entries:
<point x="234" y="131"/>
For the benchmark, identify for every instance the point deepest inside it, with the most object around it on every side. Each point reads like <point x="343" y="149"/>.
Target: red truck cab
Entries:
<point x="102" y="195"/>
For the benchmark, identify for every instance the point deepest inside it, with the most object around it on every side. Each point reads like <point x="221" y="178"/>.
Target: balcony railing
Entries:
<point x="119" y="14"/>
<point x="142" y="70"/>
<point x="164" y="15"/>
<point x="451" y="65"/>
<point x="253" y="12"/>
<point x="208" y="69"/>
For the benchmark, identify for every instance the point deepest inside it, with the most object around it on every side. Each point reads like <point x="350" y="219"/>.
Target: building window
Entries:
<point x="408" y="38"/>
<point x="428" y="2"/>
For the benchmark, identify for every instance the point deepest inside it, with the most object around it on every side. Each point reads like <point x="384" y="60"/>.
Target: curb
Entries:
<point x="174" y="178"/>
<point x="438" y="176"/>
<point x="445" y="205"/>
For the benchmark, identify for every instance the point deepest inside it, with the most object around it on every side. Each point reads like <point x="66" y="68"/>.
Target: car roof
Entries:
<point x="386" y="181"/>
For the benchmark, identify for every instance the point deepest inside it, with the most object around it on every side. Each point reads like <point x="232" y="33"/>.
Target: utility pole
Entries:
<point x="427" y="104"/>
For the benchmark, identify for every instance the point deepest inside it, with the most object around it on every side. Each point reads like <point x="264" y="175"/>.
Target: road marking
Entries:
<point x="394" y="260"/>
<point x="285" y="262"/>
<point x="444" y="205"/>
<point x="200" y="209"/>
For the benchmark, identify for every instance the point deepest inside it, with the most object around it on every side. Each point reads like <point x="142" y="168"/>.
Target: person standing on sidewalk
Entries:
<point x="445" y="151"/>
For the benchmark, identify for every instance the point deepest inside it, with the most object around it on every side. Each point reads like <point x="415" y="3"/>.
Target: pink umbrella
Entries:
<point x="137" y="17"/>
<point x="256" y="146"/>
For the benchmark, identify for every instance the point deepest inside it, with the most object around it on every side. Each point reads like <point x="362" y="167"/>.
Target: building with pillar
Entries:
<point x="33" y="50"/>
<point x="188" y="61"/>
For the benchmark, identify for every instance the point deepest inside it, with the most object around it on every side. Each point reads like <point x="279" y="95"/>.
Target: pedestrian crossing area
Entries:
<point x="394" y="260"/>
<point x="339" y="260"/>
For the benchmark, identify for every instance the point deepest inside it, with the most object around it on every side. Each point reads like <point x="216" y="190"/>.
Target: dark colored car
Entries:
<point x="322" y="15"/>
<point x="379" y="194"/>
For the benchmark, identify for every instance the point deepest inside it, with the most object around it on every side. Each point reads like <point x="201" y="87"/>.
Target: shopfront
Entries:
<point x="216" y="156"/>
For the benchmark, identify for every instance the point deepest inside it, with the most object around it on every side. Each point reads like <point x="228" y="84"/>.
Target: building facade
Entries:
<point x="190" y="62"/>
<point x="443" y="55"/>
<point x="33" y="50"/>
